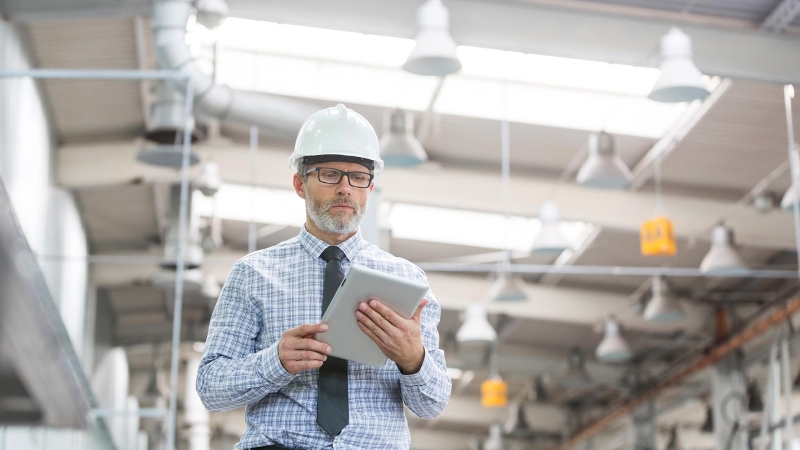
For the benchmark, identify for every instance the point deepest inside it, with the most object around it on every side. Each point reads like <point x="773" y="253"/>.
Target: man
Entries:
<point x="261" y="350"/>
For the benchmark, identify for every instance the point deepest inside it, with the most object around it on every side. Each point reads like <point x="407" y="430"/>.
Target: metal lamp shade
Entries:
<point x="507" y="288"/>
<point x="550" y="238"/>
<point x="435" y="50"/>
<point x="210" y="181"/>
<point x="662" y="307"/>
<point x="476" y="327"/>
<point x="398" y="146"/>
<point x="613" y="347"/>
<point x="603" y="169"/>
<point x="723" y="256"/>
<point x="168" y="117"/>
<point x="680" y="79"/>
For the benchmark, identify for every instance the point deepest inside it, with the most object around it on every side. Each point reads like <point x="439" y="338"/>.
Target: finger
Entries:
<point x="313" y="345"/>
<point x="307" y="355"/>
<point x="376" y="317"/>
<point x="418" y="313"/>
<point x="309" y="328"/>
<point x="370" y="324"/>
<point x="387" y="313"/>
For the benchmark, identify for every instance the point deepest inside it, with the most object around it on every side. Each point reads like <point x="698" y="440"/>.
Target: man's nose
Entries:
<point x="344" y="184"/>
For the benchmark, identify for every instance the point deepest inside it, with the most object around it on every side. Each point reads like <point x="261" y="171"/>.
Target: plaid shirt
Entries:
<point x="272" y="290"/>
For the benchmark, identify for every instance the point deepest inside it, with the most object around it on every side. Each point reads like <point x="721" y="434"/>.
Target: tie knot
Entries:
<point x="333" y="252"/>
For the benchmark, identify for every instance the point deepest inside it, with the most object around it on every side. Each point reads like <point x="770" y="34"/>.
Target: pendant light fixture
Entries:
<point x="435" y="52"/>
<point x="575" y="376"/>
<point x="723" y="256"/>
<point x="550" y="238"/>
<point x="680" y="79"/>
<point x="399" y="147"/>
<point x="168" y="117"/>
<point x="613" y="347"/>
<point x="476" y="328"/>
<point x="662" y="307"/>
<point x="603" y="169"/>
<point x="507" y="288"/>
<point x="495" y="439"/>
<point x="211" y="13"/>
<point x="209" y="181"/>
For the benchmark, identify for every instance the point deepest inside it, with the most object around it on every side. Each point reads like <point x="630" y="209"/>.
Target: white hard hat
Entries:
<point x="337" y="131"/>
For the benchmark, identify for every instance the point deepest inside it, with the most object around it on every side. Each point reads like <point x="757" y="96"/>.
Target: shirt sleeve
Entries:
<point x="427" y="392"/>
<point x="233" y="372"/>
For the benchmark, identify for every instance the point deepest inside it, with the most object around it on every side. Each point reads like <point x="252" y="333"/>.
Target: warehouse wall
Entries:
<point x="48" y="215"/>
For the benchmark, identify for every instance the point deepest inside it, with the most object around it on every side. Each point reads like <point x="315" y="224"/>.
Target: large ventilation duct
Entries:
<point x="280" y="115"/>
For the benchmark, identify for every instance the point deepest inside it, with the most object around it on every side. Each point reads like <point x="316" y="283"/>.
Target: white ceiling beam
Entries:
<point x="453" y="292"/>
<point x="114" y="163"/>
<point x="550" y="30"/>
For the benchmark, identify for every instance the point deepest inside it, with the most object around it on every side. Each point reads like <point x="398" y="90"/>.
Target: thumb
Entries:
<point x="418" y="313"/>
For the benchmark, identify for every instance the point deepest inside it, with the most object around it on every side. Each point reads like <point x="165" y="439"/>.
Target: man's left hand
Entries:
<point x="398" y="338"/>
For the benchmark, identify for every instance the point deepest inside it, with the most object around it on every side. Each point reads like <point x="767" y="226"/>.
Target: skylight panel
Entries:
<point x="341" y="66"/>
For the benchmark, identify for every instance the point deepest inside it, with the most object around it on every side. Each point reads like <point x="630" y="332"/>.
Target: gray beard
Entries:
<point x="320" y="214"/>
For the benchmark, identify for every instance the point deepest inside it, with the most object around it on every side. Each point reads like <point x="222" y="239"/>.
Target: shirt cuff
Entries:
<point x="425" y="374"/>
<point x="271" y="368"/>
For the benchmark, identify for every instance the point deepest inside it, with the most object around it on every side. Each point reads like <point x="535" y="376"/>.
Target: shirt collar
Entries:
<point x="315" y="246"/>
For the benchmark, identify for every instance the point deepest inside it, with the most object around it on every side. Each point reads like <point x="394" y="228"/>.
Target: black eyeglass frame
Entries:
<point x="342" y="174"/>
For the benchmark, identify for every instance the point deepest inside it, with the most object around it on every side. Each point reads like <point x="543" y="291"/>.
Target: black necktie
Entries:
<point x="332" y="409"/>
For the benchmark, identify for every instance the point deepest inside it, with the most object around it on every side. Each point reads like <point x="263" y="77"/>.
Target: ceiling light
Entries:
<point x="165" y="156"/>
<point x="575" y="376"/>
<point x="507" y="288"/>
<point x="680" y="79"/>
<point x="662" y="307"/>
<point x="476" y="328"/>
<point x="399" y="147"/>
<point x="211" y="13"/>
<point x="495" y="440"/>
<point x="435" y="51"/>
<point x="613" y="347"/>
<point x="168" y="117"/>
<point x="210" y="180"/>
<point x="723" y="256"/>
<point x="550" y="238"/>
<point x="604" y="169"/>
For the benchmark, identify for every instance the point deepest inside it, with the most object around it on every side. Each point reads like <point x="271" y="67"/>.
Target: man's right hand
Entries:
<point x="298" y="350"/>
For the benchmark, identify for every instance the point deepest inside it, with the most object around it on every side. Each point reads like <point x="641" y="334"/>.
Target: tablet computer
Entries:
<point x="361" y="284"/>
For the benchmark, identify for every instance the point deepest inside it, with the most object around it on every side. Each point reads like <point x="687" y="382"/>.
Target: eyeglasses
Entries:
<point x="327" y="175"/>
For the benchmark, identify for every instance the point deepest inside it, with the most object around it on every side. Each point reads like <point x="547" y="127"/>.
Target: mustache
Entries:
<point x="341" y="200"/>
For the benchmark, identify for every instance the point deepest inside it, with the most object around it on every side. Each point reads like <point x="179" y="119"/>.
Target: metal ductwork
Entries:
<point x="280" y="115"/>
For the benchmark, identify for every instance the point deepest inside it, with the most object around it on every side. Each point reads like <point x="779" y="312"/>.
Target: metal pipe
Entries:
<point x="251" y="236"/>
<point x="713" y="356"/>
<point x="610" y="270"/>
<point x="178" y="306"/>
<point x="786" y="365"/>
<point x="95" y="74"/>
<point x="143" y="412"/>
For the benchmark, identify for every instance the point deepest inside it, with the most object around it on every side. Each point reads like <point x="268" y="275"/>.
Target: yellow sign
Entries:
<point x="658" y="238"/>
<point x="494" y="393"/>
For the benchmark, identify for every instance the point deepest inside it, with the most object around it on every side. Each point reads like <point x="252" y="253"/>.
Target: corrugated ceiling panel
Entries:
<point x="90" y="109"/>
<point x="739" y="142"/>
<point x="119" y="217"/>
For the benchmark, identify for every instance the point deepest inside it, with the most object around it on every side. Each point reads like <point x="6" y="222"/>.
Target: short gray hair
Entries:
<point x="302" y="168"/>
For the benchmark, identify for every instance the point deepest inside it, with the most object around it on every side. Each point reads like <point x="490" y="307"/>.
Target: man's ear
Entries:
<point x="297" y="183"/>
